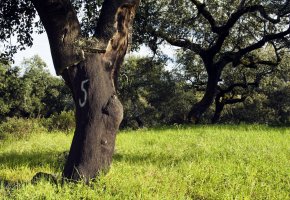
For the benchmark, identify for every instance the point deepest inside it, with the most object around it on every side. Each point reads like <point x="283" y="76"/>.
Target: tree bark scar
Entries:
<point x="118" y="44"/>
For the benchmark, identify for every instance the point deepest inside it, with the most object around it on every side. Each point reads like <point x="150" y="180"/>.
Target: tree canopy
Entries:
<point x="220" y="33"/>
<point x="31" y="91"/>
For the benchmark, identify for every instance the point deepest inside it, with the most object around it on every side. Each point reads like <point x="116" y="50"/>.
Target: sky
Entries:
<point x="41" y="47"/>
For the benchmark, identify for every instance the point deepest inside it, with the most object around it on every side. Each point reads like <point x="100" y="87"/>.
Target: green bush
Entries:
<point x="65" y="121"/>
<point x="19" y="127"/>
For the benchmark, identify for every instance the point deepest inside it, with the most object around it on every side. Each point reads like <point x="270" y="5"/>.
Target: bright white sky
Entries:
<point x="41" y="47"/>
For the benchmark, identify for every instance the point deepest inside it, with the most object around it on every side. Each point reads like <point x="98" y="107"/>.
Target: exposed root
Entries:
<point x="44" y="176"/>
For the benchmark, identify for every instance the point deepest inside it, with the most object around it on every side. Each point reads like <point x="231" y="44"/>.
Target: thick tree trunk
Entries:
<point x="98" y="116"/>
<point x="90" y="68"/>
<point x="219" y="106"/>
<point x="199" y="108"/>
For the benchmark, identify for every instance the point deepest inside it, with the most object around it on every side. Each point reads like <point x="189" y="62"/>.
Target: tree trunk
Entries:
<point x="98" y="116"/>
<point x="219" y="106"/>
<point x="90" y="68"/>
<point x="139" y="122"/>
<point x="199" y="108"/>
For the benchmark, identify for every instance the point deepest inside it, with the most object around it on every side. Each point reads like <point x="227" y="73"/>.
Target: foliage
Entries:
<point x="19" y="20"/>
<point x="19" y="128"/>
<point x="194" y="26"/>
<point x="16" y="21"/>
<point x="217" y="34"/>
<point x="10" y="90"/>
<point x="214" y="162"/>
<point x="151" y="95"/>
<point x="33" y="93"/>
<point x="65" y="121"/>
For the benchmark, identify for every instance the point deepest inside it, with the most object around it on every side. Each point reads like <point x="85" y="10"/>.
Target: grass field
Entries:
<point x="215" y="162"/>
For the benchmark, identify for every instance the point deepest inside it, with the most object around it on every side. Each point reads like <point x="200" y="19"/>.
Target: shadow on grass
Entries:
<point x="56" y="160"/>
<point x="160" y="160"/>
<point x="10" y="185"/>
<point x="32" y="159"/>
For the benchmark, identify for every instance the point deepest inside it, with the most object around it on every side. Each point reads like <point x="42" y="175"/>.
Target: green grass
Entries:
<point x="214" y="162"/>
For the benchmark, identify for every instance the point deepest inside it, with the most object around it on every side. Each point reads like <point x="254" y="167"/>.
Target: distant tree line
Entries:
<point x="155" y="95"/>
<point x="30" y="91"/>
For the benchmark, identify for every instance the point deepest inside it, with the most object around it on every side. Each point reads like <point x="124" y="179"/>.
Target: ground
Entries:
<point x="200" y="162"/>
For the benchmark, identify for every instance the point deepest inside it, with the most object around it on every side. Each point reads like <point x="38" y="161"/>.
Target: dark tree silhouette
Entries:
<point x="237" y="90"/>
<point x="221" y="33"/>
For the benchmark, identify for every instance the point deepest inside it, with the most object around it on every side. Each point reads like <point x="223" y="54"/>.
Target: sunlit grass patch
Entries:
<point x="200" y="162"/>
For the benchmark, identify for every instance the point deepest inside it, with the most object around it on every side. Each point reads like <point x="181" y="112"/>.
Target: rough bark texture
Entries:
<point x="89" y="67"/>
<point x="63" y="30"/>
<point x="98" y="115"/>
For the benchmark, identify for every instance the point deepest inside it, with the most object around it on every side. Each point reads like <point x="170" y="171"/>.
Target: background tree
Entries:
<point x="10" y="91"/>
<point x="151" y="94"/>
<point x="31" y="91"/>
<point x="89" y="67"/>
<point x="264" y="102"/>
<point x="236" y="84"/>
<point x="219" y="32"/>
<point x="45" y="94"/>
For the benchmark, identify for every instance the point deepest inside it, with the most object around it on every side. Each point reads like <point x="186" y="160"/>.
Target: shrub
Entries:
<point x="19" y="127"/>
<point x="65" y="121"/>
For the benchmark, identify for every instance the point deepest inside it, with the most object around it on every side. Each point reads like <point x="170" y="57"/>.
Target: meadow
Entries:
<point x="199" y="162"/>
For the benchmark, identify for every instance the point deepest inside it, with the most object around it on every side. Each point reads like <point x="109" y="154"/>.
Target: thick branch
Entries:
<point x="207" y="15"/>
<point x="223" y="31"/>
<point x="106" y="26"/>
<point x="63" y="29"/>
<point x="231" y="88"/>
<point x="114" y="30"/>
<point x="235" y="57"/>
<point x="183" y="43"/>
<point x="262" y="42"/>
<point x="233" y="101"/>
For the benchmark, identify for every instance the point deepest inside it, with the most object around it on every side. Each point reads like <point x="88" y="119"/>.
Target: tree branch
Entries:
<point x="63" y="29"/>
<point x="235" y="57"/>
<point x="106" y="26"/>
<point x="233" y="101"/>
<point x="183" y="43"/>
<point x="201" y="7"/>
<point x="113" y="31"/>
<point x="262" y="42"/>
<point x="223" y="31"/>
